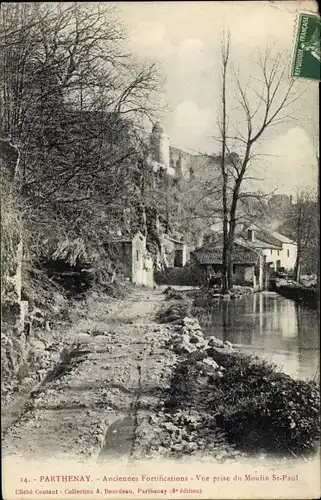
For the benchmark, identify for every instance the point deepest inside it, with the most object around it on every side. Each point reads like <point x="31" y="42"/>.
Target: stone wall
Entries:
<point x="138" y="258"/>
<point x="148" y="277"/>
<point x="181" y="162"/>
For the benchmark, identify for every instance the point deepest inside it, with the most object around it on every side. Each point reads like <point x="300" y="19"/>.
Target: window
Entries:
<point x="271" y="251"/>
<point x="137" y="255"/>
<point x="288" y="253"/>
<point x="278" y="252"/>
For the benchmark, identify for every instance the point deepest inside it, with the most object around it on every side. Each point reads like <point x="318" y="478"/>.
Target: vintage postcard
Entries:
<point x="160" y="267"/>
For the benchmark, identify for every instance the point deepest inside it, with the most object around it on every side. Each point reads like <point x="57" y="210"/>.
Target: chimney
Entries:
<point x="250" y="234"/>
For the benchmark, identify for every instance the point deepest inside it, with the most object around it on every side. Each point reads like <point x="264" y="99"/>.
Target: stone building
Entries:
<point x="175" y="252"/>
<point x="159" y="145"/>
<point x="176" y="162"/>
<point x="279" y="250"/>
<point x="131" y="258"/>
<point x="249" y="268"/>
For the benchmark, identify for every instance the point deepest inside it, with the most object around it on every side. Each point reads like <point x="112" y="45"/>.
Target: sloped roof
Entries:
<point x="212" y="254"/>
<point x="281" y="237"/>
<point x="264" y="238"/>
<point x="258" y="244"/>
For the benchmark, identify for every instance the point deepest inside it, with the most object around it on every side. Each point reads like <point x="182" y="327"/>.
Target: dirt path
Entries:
<point x="89" y="405"/>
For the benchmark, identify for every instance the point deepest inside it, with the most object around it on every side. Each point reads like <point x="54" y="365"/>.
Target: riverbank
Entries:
<point x="308" y="296"/>
<point x="240" y="398"/>
<point x="208" y="298"/>
<point x="139" y="380"/>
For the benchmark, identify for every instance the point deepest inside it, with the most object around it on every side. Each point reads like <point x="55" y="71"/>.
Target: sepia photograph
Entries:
<point x="160" y="268"/>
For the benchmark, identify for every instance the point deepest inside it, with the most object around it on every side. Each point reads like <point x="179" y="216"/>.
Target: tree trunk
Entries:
<point x="230" y="272"/>
<point x="225" y="253"/>
<point x="225" y="260"/>
<point x="297" y="266"/>
<point x="229" y="265"/>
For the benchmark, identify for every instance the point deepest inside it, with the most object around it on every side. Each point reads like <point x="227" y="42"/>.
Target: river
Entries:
<point x="272" y="327"/>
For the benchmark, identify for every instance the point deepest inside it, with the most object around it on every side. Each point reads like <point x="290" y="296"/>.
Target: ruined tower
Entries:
<point x="160" y="145"/>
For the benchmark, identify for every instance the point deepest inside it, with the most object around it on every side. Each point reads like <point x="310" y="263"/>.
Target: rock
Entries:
<point x="177" y="447"/>
<point x="199" y="354"/>
<point x="191" y="323"/>
<point x="194" y="339"/>
<point x="210" y="362"/>
<point x="228" y="344"/>
<point x="201" y="344"/>
<point x="185" y="348"/>
<point x="219" y="354"/>
<point x="214" y="342"/>
<point x="184" y="338"/>
<point x="169" y="426"/>
<point x="196" y="332"/>
<point x="191" y="446"/>
<point x="38" y="344"/>
<point x="188" y="321"/>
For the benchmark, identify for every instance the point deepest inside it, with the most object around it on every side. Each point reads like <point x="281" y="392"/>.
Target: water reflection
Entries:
<point x="271" y="326"/>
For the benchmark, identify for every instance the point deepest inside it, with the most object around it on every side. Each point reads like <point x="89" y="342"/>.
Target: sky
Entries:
<point x="184" y="38"/>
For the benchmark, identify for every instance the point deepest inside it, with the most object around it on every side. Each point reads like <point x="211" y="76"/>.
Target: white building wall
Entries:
<point x="148" y="271"/>
<point x="286" y="256"/>
<point x="138" y="254"/>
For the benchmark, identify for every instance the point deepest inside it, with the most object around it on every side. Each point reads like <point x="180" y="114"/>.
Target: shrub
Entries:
<point x="174" y="311"/>
<point x="189" y="275"/>
<point x="258" y="408"/>
<point x="262" y="409"/>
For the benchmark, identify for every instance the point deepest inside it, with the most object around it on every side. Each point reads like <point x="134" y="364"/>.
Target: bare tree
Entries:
<point x="60" y="58"/>
<point x="264" y="103"/>
<point x="227" y="243"/>
<point x="73" y="101"/>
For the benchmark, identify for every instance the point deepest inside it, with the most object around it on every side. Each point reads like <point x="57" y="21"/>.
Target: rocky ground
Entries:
<point x="130" y="379"/>
<point x="102" y="387"/>
<point x="113" y="365"/>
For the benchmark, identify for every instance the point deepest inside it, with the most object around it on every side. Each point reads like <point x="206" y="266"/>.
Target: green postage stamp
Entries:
<point x="307" y="53"/>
